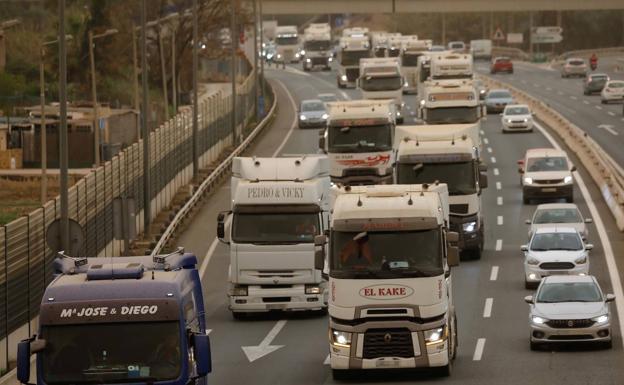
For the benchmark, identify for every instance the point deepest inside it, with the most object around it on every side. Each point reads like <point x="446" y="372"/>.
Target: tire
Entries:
<point x="535" y="346"/>
<point x="341" y="374"/>
<point x="526" y="200"/>
<point x="530" y="285"/>
<point x="445" y="371"/>
<point x="239" y="316"/>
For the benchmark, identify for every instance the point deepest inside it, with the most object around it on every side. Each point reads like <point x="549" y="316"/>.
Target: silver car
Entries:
<point x="574" y="67"/>
<point x="569" y="309"/>
<point x="560" y="214"/>
<point x="553" y="251"/>
<point x="312" y="114"/>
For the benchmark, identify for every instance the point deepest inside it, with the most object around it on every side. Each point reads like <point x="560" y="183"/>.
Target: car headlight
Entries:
<point x="324" y="116"/>
<point x="532" y="261"/>
<point x="528" y="180"/>
<point x="581" y="260"/>
<point x="469" y="227"/>
<point x="538" y="320"/>
<point x="330" y="59"/>
<point x="567" y="179"/>
<point x="343" y="78"/>
<point x="525" y="120"/>
<point x="303" y="52"/>
<point x="601" y="319"/>
<point x="313" y="289"/>
<point x="398" y="113"/>
<point x="297" y="55"/>
<point x="302" y="117"/>
<point x="435" y="336"/>
<point x="239" y="290"/>
<point x="308" y="60"/>
<point x="342" y="339"/>
<point x="279" y="55"/>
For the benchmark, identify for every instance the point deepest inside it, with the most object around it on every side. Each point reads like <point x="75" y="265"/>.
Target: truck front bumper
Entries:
<point x="263" y="299"/>
<point x="362" y="179"/>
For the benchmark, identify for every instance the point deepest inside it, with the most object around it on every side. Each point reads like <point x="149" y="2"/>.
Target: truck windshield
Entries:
<point x="360" y="139"/>
<point x="317" y="45"/>
<point x="352" y="58"/>
<point x="386" y="254"/>
<point x="287" y="40"/>
<point x="275" y="228"/>
<point x="425" y="71"/>
<point x="460" y="176"/>
<point x="381" y="83"/>
<point x="410" y="59"/>
<point x="114" y="352"/>
<point x="394" y="52"/>
<point x="452" y="115"/>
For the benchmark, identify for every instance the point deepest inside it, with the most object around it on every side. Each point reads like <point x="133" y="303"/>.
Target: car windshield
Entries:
<point x="381" y="83"/>
<point x="555" y="163"/>
<point x="516" y="111"/>
<point x="352" y="58"/>
<point x="556" y="241"/>
<point x="394" y="52"/>
<point x="456" y="45"/>
<point x="410" y="59"/>
<point x="570" y="215"/>
<point x="360" y="139"/>
<point x="287" y="40"/>
<point x="100" y="353"/>
<point x="317" y="45"/>
<point x="576" y="62"/>
<point x="452" y="115"/>
<point x="386" y="254"/>
<point x="502" y="61"/>
<point x="569" y="292"/>
<point x="459" y="176"/>
<point x="598" y="78"/>
<point x="615" y="85"/>
<point x="313" y="106"/>
<point x="275" y="228"/>
<point x="499" y="95"/>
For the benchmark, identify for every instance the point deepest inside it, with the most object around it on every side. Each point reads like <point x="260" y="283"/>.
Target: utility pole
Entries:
<point x="174" y="91"/>
<point x="3" y="26"/>
<point x="262" y="59"/>
<point x="63" y="150"/>
<point x="256" y="48"/>
<point x="233" y="71"/>
<point x="195" y="97"/>
<point x="147" y="204"/>
<point x="443" y="29"/>
<point x="42" y="133"/>
<point x="161" y="49"/>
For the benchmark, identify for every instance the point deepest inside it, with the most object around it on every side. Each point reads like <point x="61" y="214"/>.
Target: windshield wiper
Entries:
<point x="366" y="273"/>
<point x="536" y="249"/>
<point x="566" y="249"/>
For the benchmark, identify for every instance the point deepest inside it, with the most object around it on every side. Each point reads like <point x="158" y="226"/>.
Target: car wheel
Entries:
<point x="341" y="374"/>
<point x="239" y="316"/>
<point x="535" y="346"/>
<point x="526" y="200"/>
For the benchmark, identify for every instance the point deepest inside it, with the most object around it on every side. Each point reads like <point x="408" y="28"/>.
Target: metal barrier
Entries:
<point x="25" y="259"/>
<point x="607" y="174"/>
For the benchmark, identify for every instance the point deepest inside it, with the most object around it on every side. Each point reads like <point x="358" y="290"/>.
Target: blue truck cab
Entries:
<point x="122" y="320"/>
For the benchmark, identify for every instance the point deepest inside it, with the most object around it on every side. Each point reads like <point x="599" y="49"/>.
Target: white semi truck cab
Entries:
<point x="278" y="206"/>
<point x="381" y="78"/>
<point x="451" y="102"/>
<point x="450" y="154"/>
<point x="287" y="44"/>
<point x="358" y="141"/>
<point x="412" y="50"/>
<point x="391" y="302"/>
<point x="449" y="65"/>
<point x="352" y="49"/>
<point x="317" y="46"/>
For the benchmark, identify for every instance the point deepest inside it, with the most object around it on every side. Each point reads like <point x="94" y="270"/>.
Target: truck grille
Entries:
<point x="570" y="323"/>
<point x="353" y="74"/>
<point x="577" y="337"/>
<point x="548" y="181"/>
<point x="388" y="343"/>
<point x="461" y="208"/>
<point x="359" y="172"/>
<point x="319" y="60"/>
<point x="557" y="265"/>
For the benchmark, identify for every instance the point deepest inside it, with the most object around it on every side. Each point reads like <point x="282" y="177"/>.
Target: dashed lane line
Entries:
<point x="499" y="201"/>
<point x="478" y="353"/>
<point x="493" y="159"/>
<point x="598" y="107"/>
<point x="494" y="273"/>
<point x="487" y="309"/>
<point x="499" y="220"/>
<point x="499" y="244"/>
<point x="486" y="141"/>
<point x="496" y="172"/>
<point x="611" y="113"/>
<point x="489" y="149"/>
<point x="499" y="186"/>
<point x="585" y="102"/>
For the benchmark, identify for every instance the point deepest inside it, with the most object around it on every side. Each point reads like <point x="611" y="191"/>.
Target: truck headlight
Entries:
<point x="308" y="60"/>
<point x="279" y="56"/>
<point x="532" y="261"/>
<point x="339" y="338"/>
<point x="581" y="260"/>
<point x="567" y="179"/>
<point x="528" y="180"/>
<point x="331" y="59"/>
<point x="297" y="55"/>
<point x="434" y="336"/>
<point x="324" y="116"/>
<point x="343" y="78"/>
<point x="313" y="289"/>
<point x="538" y="320"/>
<point x="602" y="319"/>
<point x="239" y="290"/>
<point x="469" y="227"/>
<point x="302" y="117"/>
<point x="303" y="51"/>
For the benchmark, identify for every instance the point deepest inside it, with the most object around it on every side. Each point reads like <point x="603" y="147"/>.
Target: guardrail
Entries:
<point x="584" y="53"/>
<point x="607" y="175"/>
<point x="211" y="181"/>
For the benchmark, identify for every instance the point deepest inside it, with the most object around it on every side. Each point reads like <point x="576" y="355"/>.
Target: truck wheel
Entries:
<point x="526" y="200"/>
<point x="341" y="374"/>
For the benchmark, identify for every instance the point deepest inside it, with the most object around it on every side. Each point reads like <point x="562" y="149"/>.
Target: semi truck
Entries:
<point x="358" y="141"/>
<point x="120" y="320"/>
<point x="481" y="49"/>
<point x="390" y="257"/>
<point x="352" y="49"/>
<point x="449" y="65"/>
<point x="450" y="154"/>
<point x="450" y="102"/>
<point x="381" y="78"/>
<point x="379" y="43"/>
<point x="317" y="46"/>
<point x="287" y="44"/>
<point x="278" y="206"/>
<point x="412" y="51"/>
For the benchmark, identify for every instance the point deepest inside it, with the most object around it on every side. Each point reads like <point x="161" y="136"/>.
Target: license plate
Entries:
<point x="549" y="189"/>
<point x="390" y="363"/>
<point x="277" y="306"/>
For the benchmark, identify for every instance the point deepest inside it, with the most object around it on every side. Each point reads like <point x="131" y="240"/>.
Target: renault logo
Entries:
<point x="387" y="338"/>
<point x="570" y="323"/>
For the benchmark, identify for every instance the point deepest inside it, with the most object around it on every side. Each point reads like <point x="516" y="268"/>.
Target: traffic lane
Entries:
<point x="509" y="334"/>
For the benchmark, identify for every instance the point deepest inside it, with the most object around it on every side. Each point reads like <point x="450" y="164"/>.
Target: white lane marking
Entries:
<point x="332" y="86"/>
<point x="535" y="85"/>
<point x="496" y="171"/>
<point x="255" y="352"/>
<point x="478" y="353"/>
<point x="494" y="273"/>
<point x="614" y="275"/>
<point x="611" y="113"/>
<point x="499" y="201"/>
<point x="499" y="244"/>
<point x="559" y="92"/>
<point x="489" y="149"/>
<point x="486" y="141"/>
<point x="206" y="261"/>
<point x="499" y="186"/>
<point x="327" y="361"/>
<point x="482" y="132"/>
<point x="598" y="107"/>
<point x="609" y="128"/>
<point x="573" y="97"/>
<point x="294" y="123"/>
<point x="585" y="102"/>
<point x="499" y="220"/>
<point x="493" y="159"/>
<point x="345" y="95"/>
<point x="548" y="89"/>
<point x="487" y="309"/>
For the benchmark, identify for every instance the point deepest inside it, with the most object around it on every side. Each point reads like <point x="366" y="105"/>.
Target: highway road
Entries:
<point x="493" y="330"/>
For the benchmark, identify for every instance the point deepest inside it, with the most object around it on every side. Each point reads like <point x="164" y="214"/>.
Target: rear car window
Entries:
<point x="576" y="62"/>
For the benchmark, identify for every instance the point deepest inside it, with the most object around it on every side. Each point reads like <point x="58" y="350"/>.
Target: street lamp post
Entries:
<point x="63" y="150"/>
<point x="96" y="125"/>
<point x="195" y="97"/>
<point x="5" y="25"/>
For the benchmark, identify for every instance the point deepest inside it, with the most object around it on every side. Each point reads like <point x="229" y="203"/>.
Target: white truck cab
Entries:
<point x="381" y="78"/>
<point x="391" y="303"/>
<point x="287" y="44"/>
<point x="358" y="141"/>
<point x="450" y="102"/>
<point x="352" y="49"/>
<point x="317" y="46"/>
<point x="413" y="49"/>
<point x="278" y="206"/>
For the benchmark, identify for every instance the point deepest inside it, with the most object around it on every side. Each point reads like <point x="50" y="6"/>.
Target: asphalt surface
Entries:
<point x="497" y="278"/>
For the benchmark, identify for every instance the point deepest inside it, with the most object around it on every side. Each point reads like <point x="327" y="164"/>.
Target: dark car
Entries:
<point x="497" y="100"/>
<point x="594" y="83"/>
<point x="501" y="64"/>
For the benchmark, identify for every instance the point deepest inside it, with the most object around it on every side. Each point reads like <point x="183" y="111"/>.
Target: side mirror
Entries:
<point x="483" y="167"/>
<point x="520" y="162"/>
<point x="320" y="240"/>
<point x="521" y="170"/>
<point x="201" y="349"/>
<point x="319" y="252"/>
<point x="524" y="247"/>
<point x="452" y="256"/>
<point x="527" y="221"/>
<point x="610" y="298"/>
<point x="589" y="220"/>
<point x="589" y="246"/>
<point x="221" y="225"/>
<point x="322" y="141"/>
<point x="23" y="361"/>
<point x="483" y="180"/>
<point x="573" y="168"/>
<point x="452" y="237"/>
<point x="528" y="299"/>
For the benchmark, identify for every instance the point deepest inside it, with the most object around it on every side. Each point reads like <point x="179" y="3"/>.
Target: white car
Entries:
<point x="517" y="117"/>
<point x="568" y="309"/>
<point x="560" y="214"/>
<point x="612" y="91"/>
<point x="553" y="251"/>
<point x="546" y="173"/>
<point x="574" y="67"/>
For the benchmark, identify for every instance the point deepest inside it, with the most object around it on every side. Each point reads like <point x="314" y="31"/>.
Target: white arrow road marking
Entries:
<point x="494" y="273"/>
<point x="326" y="362"/>
<point x="255" y="352"/>
<point x="609" y="128"/>
<point x="487" y="310"/>
<point x="479" y="349"/>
